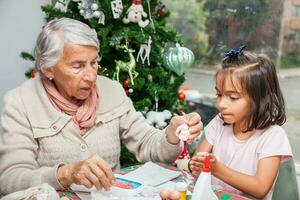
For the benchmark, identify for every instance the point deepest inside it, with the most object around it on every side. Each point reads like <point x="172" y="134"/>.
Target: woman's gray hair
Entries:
<point x="50" y="42"/>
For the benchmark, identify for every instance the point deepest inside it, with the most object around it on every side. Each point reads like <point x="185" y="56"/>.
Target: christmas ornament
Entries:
<point x="161" y="9"/>
<point x="126" y="82"/>
<point x="181" y="96"/>
<point x="185" y="152"/>
<point x="117" y="8"/>
<point x="96" y="14"/>
<point x="62" y="5"/>
<point x="158" y="119"/>
<point x="150" y="77"/>
<point x="89" y="9"/>
<point x="94" y="6"/>
<point x="115" y="40"/>
<point x="178" y="59"/>
<point x="33" y="74"/>
<point x="129" y="91"/>
<point x="128" y="67"/>
<point x="172" y="79"/>
<point x="191" y="94"/>
<point x="183" y="134"/>
<point x="135" y="13"/>
<point x="145" y="49"/>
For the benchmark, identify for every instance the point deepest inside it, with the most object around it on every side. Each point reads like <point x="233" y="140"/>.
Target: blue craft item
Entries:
<point x="235" y="52"/>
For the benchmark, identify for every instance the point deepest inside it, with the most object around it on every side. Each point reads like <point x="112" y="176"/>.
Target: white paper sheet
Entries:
<point x="152" y="174"/>
<point x="84" y="195"/>
<point x="148" y="193"/>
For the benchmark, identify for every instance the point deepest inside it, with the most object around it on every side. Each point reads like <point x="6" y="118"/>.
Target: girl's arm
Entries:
<point x="258" y="185"/>
<point x="204" y="146"/>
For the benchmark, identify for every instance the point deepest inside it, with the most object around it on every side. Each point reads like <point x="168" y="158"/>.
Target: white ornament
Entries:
<point x="101" y="19"/>
<point x="183" y="132"/>
<point x="145" y="49"/>
<point x="62" y="5"/>
<point x="157" y="119"/>
<point x="94" y="6"/>
<point x="85" y="9"/>
<point x="96" y="14"/>
<point x="89" y="9"/>
<point x="135" y="13"/>
<point x="117" y="8"/>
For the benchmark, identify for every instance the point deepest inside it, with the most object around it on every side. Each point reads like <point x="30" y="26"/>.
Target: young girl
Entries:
<point x="245" y="140"/>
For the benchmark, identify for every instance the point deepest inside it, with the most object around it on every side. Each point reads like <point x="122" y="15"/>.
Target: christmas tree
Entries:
<point x="135" y="50"/>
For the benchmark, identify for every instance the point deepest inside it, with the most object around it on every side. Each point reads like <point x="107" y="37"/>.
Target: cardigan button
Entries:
<point x="83" y="147"/>
<point x="54" y="128"/>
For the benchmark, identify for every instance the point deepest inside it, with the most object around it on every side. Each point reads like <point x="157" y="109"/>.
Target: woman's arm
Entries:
<point x="19" y="169"/>
<point x="146" y="142"/>
<point x="259" y="185"/>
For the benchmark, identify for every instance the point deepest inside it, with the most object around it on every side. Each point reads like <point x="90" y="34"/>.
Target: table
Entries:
<point x="222" y="194"/>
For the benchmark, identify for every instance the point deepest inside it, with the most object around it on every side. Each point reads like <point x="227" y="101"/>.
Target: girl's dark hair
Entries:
<point x="259" y="79"/>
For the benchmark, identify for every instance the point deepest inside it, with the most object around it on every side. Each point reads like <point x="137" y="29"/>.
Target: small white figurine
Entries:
<point x="158" y="118"/>
<point x="135" y="14"/>
<point x="145" y="49"/>
<point x="62" y="5"/>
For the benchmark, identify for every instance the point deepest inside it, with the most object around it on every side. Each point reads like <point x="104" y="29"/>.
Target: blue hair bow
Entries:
<point x="235" y="52"/>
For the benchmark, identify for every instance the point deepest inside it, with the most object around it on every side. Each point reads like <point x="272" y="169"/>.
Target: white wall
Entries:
<point x="20" y="23"/>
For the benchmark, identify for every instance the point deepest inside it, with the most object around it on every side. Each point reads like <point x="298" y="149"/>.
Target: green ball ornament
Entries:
<point x="178" y="59"/>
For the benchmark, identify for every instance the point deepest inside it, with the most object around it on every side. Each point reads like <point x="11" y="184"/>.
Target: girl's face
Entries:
<point x="232" y="102"/>
<point x="76" y="72"/>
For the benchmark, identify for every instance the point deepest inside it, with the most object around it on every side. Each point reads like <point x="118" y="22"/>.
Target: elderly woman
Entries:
<point x="66" y="126"/>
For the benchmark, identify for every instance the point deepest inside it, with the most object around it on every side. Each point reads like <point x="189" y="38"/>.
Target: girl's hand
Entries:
<point x="93" y="171"/>
<point x="197" y="163"/>
<point x="193" y="120"/>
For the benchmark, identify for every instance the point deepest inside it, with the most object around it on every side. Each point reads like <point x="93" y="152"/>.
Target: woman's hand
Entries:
<point x="197" y="162"/>
<point x="193" y="120"/>
<point x="93" y="171"/>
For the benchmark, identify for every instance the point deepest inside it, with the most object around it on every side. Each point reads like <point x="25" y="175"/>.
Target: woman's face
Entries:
<point x="76" y="72"/>
<point x="232" y="102"/>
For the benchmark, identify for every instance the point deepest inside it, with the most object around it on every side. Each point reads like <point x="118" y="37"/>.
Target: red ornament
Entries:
<point x="129" y="91"/>
<point x="181" y="96"/>
<point x="137" y="2"/>
<point x="126" y="82"/>
<point x="161" y="10"/>
<point x="32" y="73"/>
<point x="185" y="152"/>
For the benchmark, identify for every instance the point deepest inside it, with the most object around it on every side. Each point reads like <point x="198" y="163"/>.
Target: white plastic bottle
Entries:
<point x="203" y="190"/>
